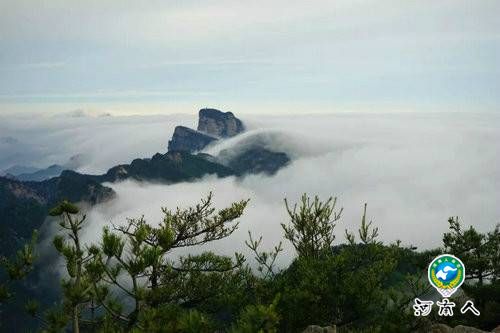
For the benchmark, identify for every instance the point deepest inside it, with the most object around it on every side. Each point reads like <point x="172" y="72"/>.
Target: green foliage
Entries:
<point x="311" y="227"/>
<point x="258" y="319"/>
<point x="64" y="207"/>
<point x="265" y="260"/>
<point x="18" y="267"/>
<point x="32" y="307"/>
<point x="480" y="252"/>
<point x="367" y="234"/>
<point x="135" y="260"/>
<point x="55" y="320"/>
<point x="78" y="287"/>
<point x="487" y="300"/>
<point x="135" y="281"/>
<point x="346" y="288"/>
<point x="193" y="322"/>
<point x="172" y="318"/>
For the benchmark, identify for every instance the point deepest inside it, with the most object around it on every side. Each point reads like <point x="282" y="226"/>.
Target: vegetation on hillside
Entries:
<point x="133" y="281"/>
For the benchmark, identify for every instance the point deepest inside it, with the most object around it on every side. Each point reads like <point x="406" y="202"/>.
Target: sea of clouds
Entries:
<point x="102" y="140"/>
<point x="414" y="170"/>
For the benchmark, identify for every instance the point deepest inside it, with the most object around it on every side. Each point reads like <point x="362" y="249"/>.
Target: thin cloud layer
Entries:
<point x="331" y="54"/>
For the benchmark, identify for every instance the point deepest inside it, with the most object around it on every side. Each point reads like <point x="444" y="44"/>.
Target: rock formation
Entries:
<point x="216" y="125"/>
<point x="219" y="124"/>
<point x="319" y="329"/>
<point x="256" y="160"/>
<point x="187" y="139"/>
<point x="24" y="201"/>
<point x="212" y="125"/>
<point x="442" y="328"/>
<point x="172" y="167"/>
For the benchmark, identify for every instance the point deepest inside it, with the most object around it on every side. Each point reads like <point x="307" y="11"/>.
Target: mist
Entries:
<point x="104" y="141"/>
<point x="413" y="170"/>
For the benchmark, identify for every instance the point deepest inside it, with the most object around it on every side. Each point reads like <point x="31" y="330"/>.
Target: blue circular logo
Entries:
<point x="446" y="271"/>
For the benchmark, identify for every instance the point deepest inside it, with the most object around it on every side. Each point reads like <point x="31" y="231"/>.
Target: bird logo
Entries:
<point x="446" y="273"/>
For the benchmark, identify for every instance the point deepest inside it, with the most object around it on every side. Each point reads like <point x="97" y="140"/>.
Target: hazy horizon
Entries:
<point x="284" y="57"/>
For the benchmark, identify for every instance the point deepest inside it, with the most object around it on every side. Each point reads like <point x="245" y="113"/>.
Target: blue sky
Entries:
<point x="257" y="56"/>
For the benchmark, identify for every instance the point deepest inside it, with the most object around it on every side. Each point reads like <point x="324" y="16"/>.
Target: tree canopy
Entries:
<point x="134" y="280"/>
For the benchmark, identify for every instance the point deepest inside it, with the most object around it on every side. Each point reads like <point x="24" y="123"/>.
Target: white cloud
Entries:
<point x="43" y="140"/>
<point x="413" y="170"/>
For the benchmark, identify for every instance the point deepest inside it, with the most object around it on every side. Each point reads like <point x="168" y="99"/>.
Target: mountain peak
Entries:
<point x="187" y="139"/>
<point x="220" y="124"/>
<point x="213" y="124"/>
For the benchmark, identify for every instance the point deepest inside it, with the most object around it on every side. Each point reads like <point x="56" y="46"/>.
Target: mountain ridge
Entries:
<point x="24" y="204"/>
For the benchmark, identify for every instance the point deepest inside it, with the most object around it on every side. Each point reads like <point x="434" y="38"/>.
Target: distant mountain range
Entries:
<point x="24" y="205"/>
<point x="27" y="195"/>
<point x="29" y="173"/>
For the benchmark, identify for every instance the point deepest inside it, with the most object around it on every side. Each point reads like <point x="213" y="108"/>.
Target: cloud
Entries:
<point x="43" y="140"/>
<point x="137" y="199"/>
<point x="413" y="170"/>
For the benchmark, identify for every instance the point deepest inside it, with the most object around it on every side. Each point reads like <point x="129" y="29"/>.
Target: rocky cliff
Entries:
<point x="441" y="328"/>
<point x="187" y="139"/>
<point x="212" y="125"/>
<point x="218" y="123"/>
<point x="256" y="160"/>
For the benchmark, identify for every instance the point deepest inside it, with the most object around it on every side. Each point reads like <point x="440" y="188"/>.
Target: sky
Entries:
<point x="128" y="57"/>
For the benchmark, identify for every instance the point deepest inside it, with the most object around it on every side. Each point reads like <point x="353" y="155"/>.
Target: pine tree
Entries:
<point x="311" y="227"/>
<point x="137" y="261"/>
<point x="78" y="288"/>
<point x="479" y="251"/>
<point x="17" y="268"/>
